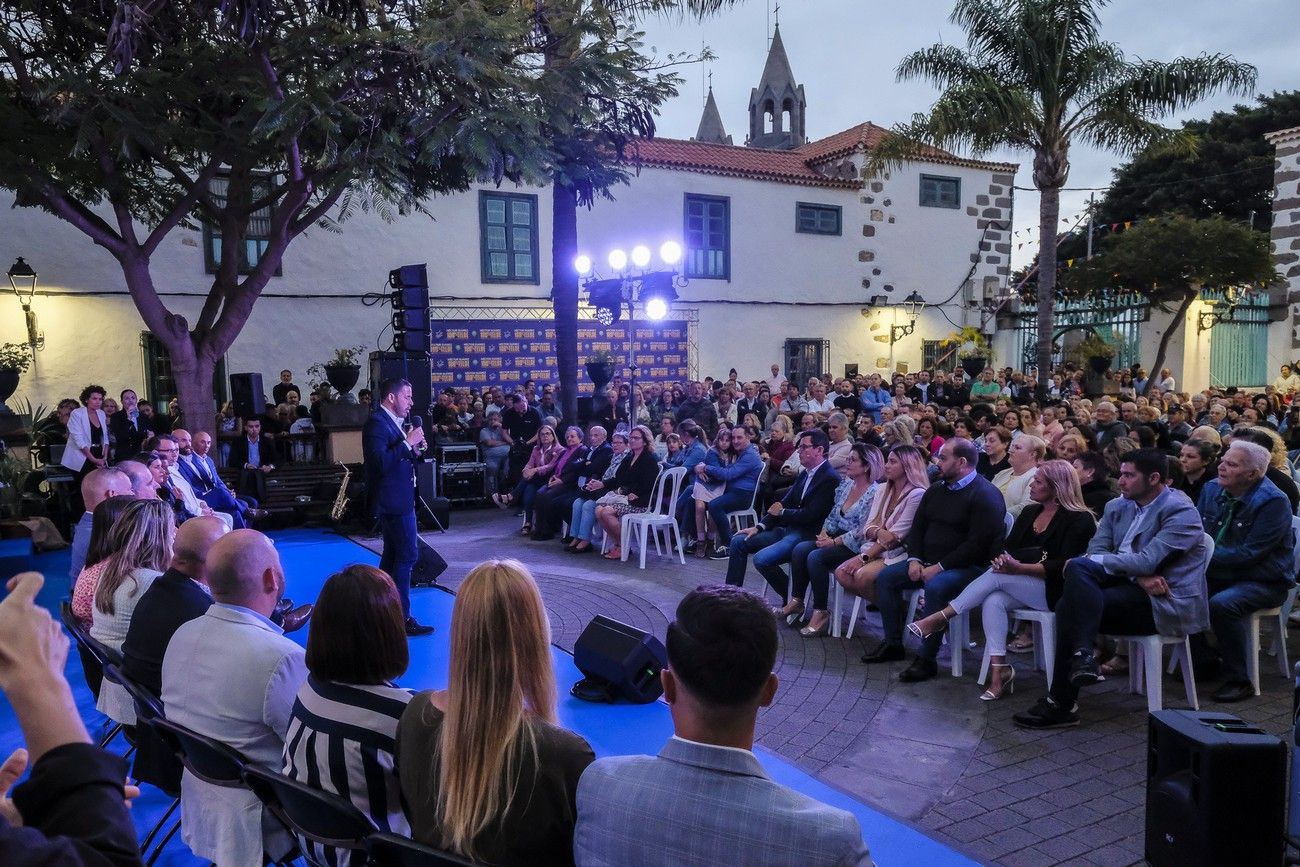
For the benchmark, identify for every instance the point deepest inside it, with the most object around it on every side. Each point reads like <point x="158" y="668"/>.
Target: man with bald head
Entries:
<point x="232" y="675"/>
<point x="143" y="487"/>
<point x="96" y="487"/>
<point x="200" y="472"/>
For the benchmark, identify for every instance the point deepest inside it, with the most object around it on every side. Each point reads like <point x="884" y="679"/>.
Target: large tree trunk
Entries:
<point x="1049" y="213"/>
<point x="1180" y="319"/>
<point x="564" y="294"/>
<point x="193" y="377"/>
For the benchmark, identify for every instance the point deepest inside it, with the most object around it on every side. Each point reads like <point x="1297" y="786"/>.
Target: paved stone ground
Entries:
<point x="931" y="754"/>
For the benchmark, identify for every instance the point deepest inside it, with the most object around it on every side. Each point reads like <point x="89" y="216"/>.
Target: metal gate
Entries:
<point x="1237" y="355"/>
<point x="1118" y="317"/>
<point x="806" y="358"/>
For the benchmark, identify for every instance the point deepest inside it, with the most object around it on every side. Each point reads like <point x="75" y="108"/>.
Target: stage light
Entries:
<point x="640" y="255"/>
<point x="617" y="260"/>
<point x="656" y="308"/>
<point x="606" y="315"/>
<point x="670" y="252"/>
<point x="582" y="265"/>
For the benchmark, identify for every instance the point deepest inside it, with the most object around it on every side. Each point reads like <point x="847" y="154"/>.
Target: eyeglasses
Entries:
<point x="808" y="446"/>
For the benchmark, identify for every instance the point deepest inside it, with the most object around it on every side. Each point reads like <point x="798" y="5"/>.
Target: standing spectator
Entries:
<point x="775" y="382"/>
<point x="87" y="447"/>
<point x="875" y="397"/>
<point x="698" y="409"/>
<point x="280" y="393"/>
<point x="128" y="427"/>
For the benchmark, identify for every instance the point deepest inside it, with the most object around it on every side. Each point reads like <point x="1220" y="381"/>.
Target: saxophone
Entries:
<point x="341" y="501"/>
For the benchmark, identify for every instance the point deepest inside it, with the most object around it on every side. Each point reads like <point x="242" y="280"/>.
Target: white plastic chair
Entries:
<point x="1044" y="641"/>
<point x="1282" y="613"/>
<point x="750" y="515"/>
<point x="913" y="601"/>
<point x="661" y="518"/>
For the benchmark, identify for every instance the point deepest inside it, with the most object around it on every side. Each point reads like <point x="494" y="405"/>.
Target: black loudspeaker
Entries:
<point x="1216" y="791"/>
<point x="618" y="661"/>
<point x="247" y="395"/>
<point x="428" y="567"/>
<point x="410" y="308"/>
<point x="415" y="368"/>
<point x="426" y="479"/>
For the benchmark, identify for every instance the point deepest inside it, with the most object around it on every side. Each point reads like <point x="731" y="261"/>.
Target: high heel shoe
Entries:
<point x="1008" y="684"/>
<point x="819" y="632"/>
<point x="794" y="616"/>
<point x="915" y="627"/>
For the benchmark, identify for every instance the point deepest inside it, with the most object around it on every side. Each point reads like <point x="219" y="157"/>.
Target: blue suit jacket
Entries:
<point x="388" y="466"/>
<point x="701" y="804"/>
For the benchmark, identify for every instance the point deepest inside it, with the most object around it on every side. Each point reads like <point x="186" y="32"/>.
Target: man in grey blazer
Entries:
<point x="705" y="799"/>
<point x="1143" y="573"/>
<point x="232" y="675"/>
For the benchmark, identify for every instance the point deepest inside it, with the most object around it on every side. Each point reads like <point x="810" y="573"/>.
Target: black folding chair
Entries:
<point x="93" y="653"/>
<point x="316" y="816"/>
<point x="148" y="709"/>
<point x="394" y="850"/>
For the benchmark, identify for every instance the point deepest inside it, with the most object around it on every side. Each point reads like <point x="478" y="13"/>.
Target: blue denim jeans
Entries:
<point x="813" y="566"/>
<point x="730" y="501"/>
<point x="770" y="548"/>
<point x="1230" y="608"/>
<point x="894" y="589"/>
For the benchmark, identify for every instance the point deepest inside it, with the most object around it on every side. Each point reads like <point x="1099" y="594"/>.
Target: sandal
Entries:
<point x="1021" y="644"/>
<point x="1115" y="665"/>
<point x="614" y="554"/>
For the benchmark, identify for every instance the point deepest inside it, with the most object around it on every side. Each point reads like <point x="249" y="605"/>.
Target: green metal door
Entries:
<point x="1238" y="353"/>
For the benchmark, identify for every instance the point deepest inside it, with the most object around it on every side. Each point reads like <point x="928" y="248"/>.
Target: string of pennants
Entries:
<point x="1098" y="229"/>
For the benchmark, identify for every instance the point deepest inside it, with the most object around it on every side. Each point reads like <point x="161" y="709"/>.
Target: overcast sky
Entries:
<point x="844" y="53"/>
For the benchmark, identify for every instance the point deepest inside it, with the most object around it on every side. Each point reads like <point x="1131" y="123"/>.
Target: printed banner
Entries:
<point x="483" y="352"/>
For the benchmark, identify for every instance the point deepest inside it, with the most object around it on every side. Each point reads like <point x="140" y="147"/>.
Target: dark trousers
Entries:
<point x="252" y="483"/>
<point x="1231" y="604"/>
<point x="894" y="588"/>
<point x="1094" y="602"/>
<point x="401" y="550"/>
<point x="730" y="501"/>
<point x="552" y="507"/>
<point x="813" y="566"/>
<point x="221" y="500"/>
<point x="770" y="549"/>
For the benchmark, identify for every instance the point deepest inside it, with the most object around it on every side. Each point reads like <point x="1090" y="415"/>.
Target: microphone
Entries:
<point x="415" y="421"/>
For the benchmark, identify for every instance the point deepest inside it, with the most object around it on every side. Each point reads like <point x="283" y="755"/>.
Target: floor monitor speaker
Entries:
<point x="618" y="661"/>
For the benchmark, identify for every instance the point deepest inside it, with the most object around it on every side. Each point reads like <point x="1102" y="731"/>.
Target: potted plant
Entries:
<point x="600" y="367"/>
<point x="15" y="358"/>
<point x="1098" y="352"/>
<point x="341" y="372"/>
<point x="972" y="349"/>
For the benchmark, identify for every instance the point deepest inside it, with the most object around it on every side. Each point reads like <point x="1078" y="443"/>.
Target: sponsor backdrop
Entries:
<point x="480" y="352"/>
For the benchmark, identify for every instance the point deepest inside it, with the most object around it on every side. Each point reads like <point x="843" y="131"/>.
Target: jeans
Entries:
<point x="894" y="588"/>
<point x="401" y="550"/>
<point x="525" y="492"/>
<point x="770" y="548"/>
<point x="730" y="501"/>
<point x="1231" y="605"/>
<point x="1093" y="601"/>
<point x="1000" y="592"/>
<point x="497" y="459"/>
<point x="810" y="565"/>
<point x="582" y="524"/>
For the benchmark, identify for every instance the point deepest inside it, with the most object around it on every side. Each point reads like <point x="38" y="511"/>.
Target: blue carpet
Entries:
<point x="310" y="556"/>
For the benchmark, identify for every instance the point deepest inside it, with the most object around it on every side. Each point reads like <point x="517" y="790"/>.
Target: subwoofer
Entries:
<point x="247" y="395"/>
<point x="1216" y="791"/>
<point x="618" y="661"/>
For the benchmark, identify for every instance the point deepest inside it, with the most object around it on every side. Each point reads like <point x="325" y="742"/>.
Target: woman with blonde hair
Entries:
<point x="1025" y="454"/>
<point x="892" y="510"/>
<point x="141" y="542"/>
<point x="1056" y="526"/>
<point x="541" y="462"/>
<point x="485" y="770"/>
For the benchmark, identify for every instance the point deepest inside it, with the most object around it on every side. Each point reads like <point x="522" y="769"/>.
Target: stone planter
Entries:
<point x="973" y="365"/>
<point x="601" y="372"/>
<point x="8" y="385"/>
<point x="342" y="377"/>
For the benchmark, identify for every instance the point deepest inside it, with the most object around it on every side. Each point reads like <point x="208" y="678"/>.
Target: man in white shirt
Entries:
<point x="776" y="382"/>
<point x="167" y="446"/>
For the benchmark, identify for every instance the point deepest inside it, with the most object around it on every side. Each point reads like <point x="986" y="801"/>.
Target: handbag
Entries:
<point x="706" y="492"/>
<point x="613" y="498"/>
<point x="1028" y="554"/>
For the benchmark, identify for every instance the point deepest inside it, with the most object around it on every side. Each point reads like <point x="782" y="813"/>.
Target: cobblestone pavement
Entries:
<point x="931" y="754"/>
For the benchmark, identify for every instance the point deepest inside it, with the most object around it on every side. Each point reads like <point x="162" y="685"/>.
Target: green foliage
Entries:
<point x="1093" y="346"/>
<point x="1169" y="258"/>
<point x="30" y="413"/>
<point x="970" y="341"/>
<point x="15" y="356"/>
<point x="13" y="476"/>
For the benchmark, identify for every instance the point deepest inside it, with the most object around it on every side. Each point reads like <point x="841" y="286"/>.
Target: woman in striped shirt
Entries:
<point x="344" y="721"/>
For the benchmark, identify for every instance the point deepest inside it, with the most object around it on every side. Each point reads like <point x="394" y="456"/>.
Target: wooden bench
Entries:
<point x="284" y="485"/>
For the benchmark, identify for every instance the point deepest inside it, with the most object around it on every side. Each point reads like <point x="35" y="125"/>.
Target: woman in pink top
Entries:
<point x="888" y="521"/>
<point x="538" y="469"/>
<point x="83" y="590"/>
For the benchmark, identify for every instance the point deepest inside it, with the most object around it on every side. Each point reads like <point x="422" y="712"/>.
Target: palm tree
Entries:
<point x="1036" y="75"/>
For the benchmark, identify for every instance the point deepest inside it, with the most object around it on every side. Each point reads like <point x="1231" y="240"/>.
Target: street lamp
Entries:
<point x="912" y="305"/>
<point x="23" y="280"/>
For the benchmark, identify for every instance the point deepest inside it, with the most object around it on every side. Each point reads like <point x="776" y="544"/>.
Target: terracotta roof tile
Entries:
<point x="867" y="135"/>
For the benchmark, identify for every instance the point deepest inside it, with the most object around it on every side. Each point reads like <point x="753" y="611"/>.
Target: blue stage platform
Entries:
<point x="310" y="556"/>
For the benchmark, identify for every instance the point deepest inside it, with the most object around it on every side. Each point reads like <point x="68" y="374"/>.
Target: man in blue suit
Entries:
<point x="708" y="798"/>
<point x="197" y="467"/>
<point x="390" y="484"/>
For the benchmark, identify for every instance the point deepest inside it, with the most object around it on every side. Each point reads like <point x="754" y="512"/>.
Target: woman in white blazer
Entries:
<point x="87" y="447"/>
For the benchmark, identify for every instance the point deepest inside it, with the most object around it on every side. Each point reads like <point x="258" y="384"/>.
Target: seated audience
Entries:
<point x="566" y="461"/>
<point x="177" y="596"/>
<point x="1143" y="573"/>
<point x="633" y="483"/>
<point x="255" y="457"/>
<point x="795" y="518"/>
<point x="1279" y="468"/>
<point x="707" y="793"/>
<point x="958" y="529"/>
<point x="1196" y="460"/>
<point x="1094" y="481"/>
<point x="840" y="539"/>
<point x="554" y="503"/>
<point x="1024" y="454"/>
<point x="343" y="728"/>
<point x="840" y="441"/>
<point x="144" y="481"/>
<point x="96" y="487"/>
<point x="995" y="457"/>
<point x="1071" y="446"/>
<point x="541" y="461"/>
<point x="1053" y="528"/>
<point x="893" y="508"/>
<point x="739" y="478"/>
<point x="495" y="442"/>
<point x="485" y="770"/>
<point x="1253" y="565"/>
<point x="582" y="520"/>
<point x="141" y="541"/>
<point x="231" y="675"/>
<point x="779" y="447"/>
<point x="200" y="471"/>
<point x="71" y="810"/>
<point x="107" y="514"/>
<point x="694" y="515"/>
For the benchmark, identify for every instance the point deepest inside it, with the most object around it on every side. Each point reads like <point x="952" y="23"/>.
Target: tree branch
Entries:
<point x="184" y="206"/>
<point x="62" y="205"/>
<point x="273" y="81"/>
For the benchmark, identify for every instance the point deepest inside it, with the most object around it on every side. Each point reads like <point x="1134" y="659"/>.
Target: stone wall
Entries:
<point x="1286" y="219"/>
